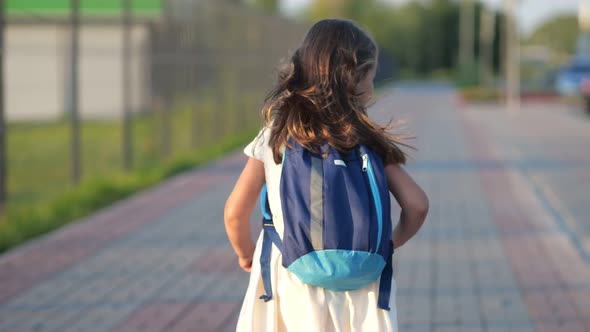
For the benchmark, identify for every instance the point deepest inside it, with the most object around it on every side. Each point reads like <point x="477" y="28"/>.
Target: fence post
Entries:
<point x="169" y="75"/>
<point x="195" y="110"/>
<point x="73" y="104"/>
<point x="220" y="35"/>
<point x="127" y="148"/>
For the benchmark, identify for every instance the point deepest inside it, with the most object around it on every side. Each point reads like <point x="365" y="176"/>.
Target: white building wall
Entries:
<point x="33" y="78"/>
<point x="37" y="63"/>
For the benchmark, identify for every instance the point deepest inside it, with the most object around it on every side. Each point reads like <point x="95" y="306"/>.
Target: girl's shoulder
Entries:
<point x="258" y="148"/>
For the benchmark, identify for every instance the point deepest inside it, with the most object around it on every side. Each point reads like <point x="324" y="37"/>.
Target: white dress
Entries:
<point x="296" y="306"/>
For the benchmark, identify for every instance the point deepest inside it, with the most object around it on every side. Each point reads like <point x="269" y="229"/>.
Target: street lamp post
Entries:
<point x="466" y="37"/>
<point x="584" y="16"/>
<point x="512" y="57"/>
<point x="3" y="161"/>
<point x="486" y="39"/>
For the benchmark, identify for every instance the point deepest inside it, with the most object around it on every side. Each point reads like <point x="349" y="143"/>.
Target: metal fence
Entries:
<point x="145" y="89"/>
<point x="214" y="54"/>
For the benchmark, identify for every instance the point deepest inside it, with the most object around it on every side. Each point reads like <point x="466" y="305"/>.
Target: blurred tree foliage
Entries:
<point x="420" y="37"/>
<point x="559" y="34"/>
<point x="271" y="6"/>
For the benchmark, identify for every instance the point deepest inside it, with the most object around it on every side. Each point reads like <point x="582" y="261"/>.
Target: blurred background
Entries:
<point x="101" y="98"/>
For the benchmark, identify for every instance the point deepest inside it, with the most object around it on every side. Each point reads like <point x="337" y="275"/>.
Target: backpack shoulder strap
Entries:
<point x="385" y="282"/>
<point x="270" y="236"/>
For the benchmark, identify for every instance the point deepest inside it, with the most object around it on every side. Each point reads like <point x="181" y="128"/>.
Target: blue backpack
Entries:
<point x="337" y="217"/>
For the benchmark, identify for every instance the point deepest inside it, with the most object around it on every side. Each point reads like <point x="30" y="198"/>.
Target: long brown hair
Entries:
<point x="315" y="99"/>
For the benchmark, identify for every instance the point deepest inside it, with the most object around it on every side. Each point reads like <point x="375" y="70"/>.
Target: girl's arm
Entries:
<point x="238" y="209"/>
<point x="411" y="199"/>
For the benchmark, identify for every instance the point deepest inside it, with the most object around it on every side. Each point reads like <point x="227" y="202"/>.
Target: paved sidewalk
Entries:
<point x="159" y="261"/>
<point x="495" y="254"/>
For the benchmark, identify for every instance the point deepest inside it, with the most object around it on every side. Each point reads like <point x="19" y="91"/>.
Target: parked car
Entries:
<point x="569" y="78"/>
<point x="585" y="92"/>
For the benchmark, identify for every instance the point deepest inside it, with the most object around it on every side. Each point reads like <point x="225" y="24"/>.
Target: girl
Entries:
<point x="320" y="97"/>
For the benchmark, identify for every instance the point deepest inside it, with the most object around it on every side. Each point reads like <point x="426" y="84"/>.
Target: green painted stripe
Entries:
<point x="88" y="7"/>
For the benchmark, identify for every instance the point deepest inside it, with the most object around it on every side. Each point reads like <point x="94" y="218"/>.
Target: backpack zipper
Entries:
<point x="376" y="197"/>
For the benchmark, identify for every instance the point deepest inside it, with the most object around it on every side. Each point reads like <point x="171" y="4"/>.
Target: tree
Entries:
<point x="419" y="36"/>
<point x="559" y="33"/>
<point x="271" y="6"/>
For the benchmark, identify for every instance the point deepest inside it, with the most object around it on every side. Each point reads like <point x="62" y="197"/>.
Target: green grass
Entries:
<point x="42" y="196"/>
<point x="480" y="94"/>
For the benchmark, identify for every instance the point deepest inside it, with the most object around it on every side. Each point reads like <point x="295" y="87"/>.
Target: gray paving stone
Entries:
<point x="97" y="319"/>
<point x="188" y="287"/>
<point x="414" y="310"/>
<point x="44" y="320"/>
